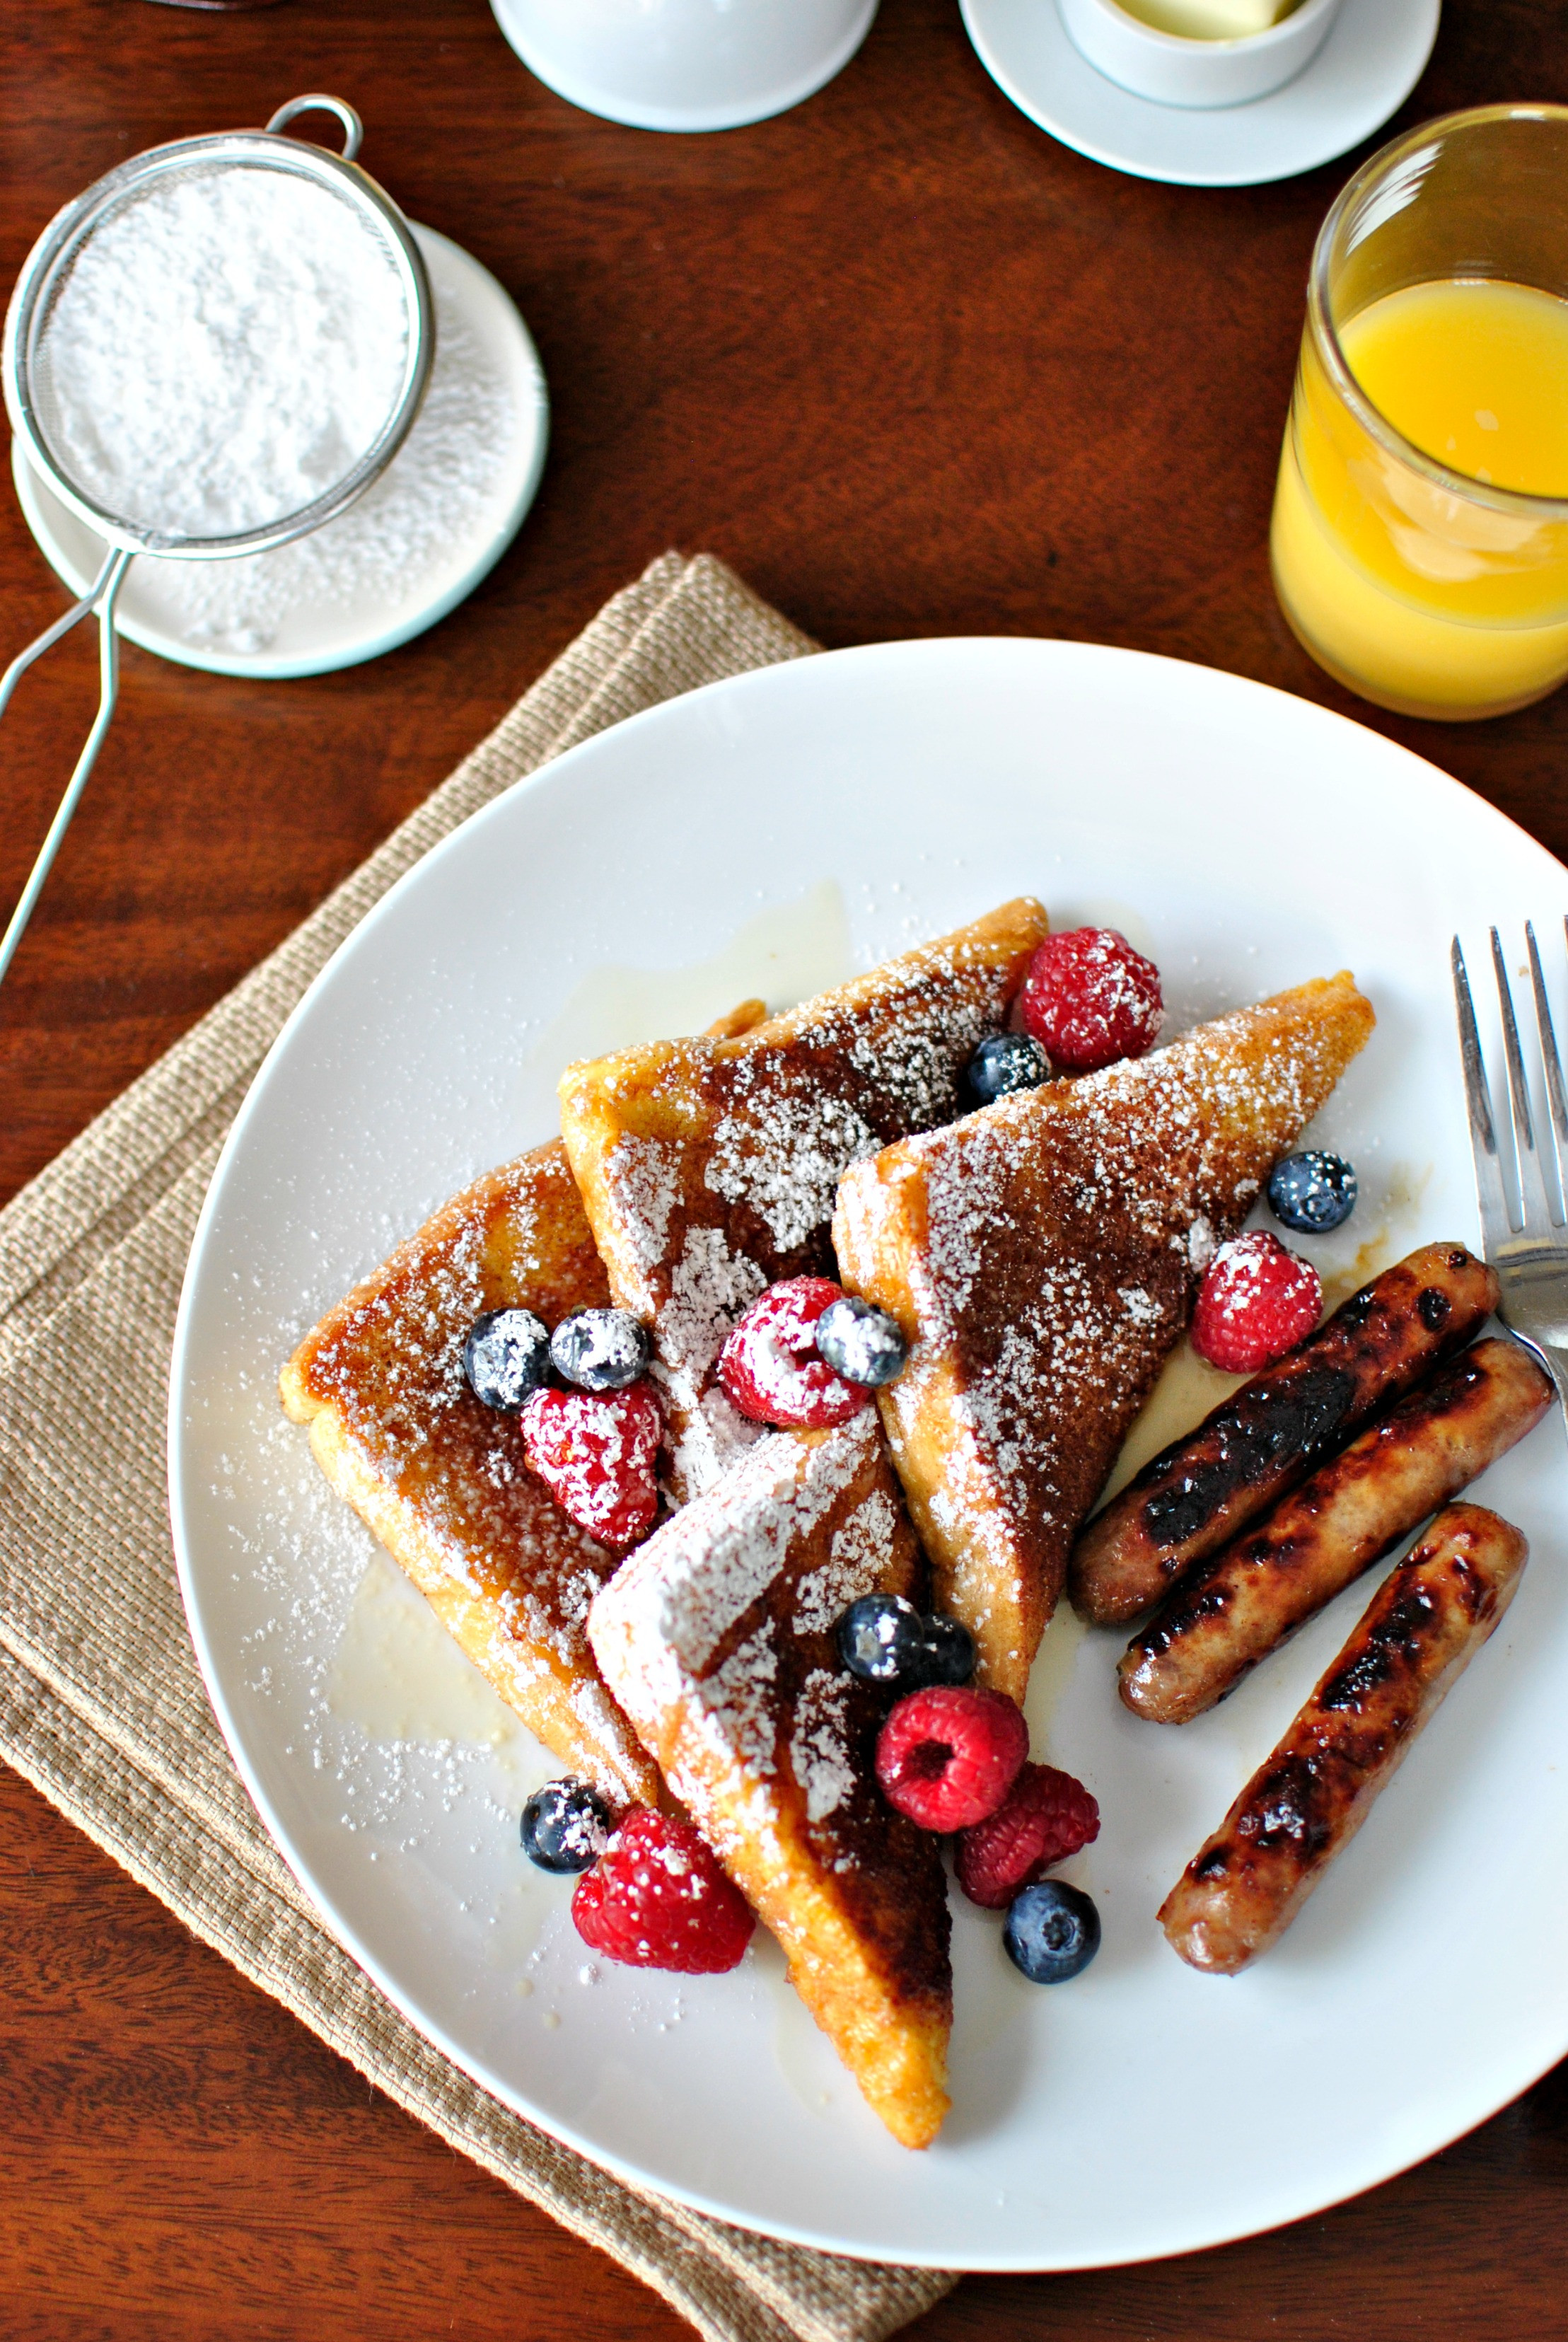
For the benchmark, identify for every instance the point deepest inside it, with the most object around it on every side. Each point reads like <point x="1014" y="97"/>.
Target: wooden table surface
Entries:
<point x="912" y="368"/>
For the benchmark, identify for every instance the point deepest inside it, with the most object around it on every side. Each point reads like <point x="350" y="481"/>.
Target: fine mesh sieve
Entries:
<point x="29" y="369"/>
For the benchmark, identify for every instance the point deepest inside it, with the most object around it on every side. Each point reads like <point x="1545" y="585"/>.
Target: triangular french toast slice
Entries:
<point x="1041" y="1256"/>
<point x="708" y="1167"/>
<point x="441" y="1480"/>
<point x="717" y="1639"/>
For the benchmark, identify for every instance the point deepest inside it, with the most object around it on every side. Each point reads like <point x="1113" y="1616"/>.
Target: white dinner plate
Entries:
<point x="391" y="565"/>
<point x="765" y="835"/>
<point x="1363" y="73"/>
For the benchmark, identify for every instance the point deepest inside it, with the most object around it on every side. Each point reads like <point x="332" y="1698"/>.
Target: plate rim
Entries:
<point x="1371" y="2168"/>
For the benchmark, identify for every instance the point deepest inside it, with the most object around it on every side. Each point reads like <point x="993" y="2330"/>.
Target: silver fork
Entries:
<point x="1525" y="1239"/>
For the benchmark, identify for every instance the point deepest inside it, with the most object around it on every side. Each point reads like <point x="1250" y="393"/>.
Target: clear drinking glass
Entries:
<point x="1434" y="590"/>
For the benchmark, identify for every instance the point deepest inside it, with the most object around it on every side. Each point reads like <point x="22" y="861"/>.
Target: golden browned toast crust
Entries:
<point x="717" y="1637"/>
<point x="1041" y="1256"/>
<point x="708" y="1167"/>
<point x="441" y="1480"/>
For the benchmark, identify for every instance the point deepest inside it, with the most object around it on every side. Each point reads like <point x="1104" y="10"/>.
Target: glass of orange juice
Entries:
<point x="1420" y="537"/>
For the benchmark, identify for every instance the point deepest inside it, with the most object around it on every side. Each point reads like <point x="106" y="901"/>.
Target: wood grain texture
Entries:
<point x="914" y="369"/>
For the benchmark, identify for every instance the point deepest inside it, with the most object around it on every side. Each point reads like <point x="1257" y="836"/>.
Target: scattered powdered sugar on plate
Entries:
<point x="418" y="1786"/>
<point x="332" y="1608"/>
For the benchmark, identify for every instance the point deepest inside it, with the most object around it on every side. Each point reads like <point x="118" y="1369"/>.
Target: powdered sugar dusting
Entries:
<point x="680" y="1593"/>
<point x="658" y="1627"/>
<point x="857" y="1560"/>
<point x="643" y="1176"/>
<point x="783" y="1153"/>
<point x="740" y="1691"/>
<point x="1201" y="1242"/>
<point x="820" y="1756"/>
<point x="709" y="1287"/>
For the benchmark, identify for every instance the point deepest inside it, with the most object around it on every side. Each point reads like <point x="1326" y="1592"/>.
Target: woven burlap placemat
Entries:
<point x="101" y="1703"/>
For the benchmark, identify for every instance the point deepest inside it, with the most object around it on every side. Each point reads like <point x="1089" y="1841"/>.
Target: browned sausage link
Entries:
<point x="1425" y="1624"/>
<point x="1201" y="1492"/>
<point x="1230" y="1614"/>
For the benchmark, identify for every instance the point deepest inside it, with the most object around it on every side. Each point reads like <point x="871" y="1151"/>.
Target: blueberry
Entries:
<point x="506" y="1357"/>
<point x="885" y="1639"/>
<point x="1005" y="1062"/>
<point x="949" y="1654"/>
<point x="860" y="1343"/>
<point x="1053" y="1931"/>
<point x="565" y="1826"/>
<point x="882" y="1639"/>
<point x="600" y="1349"/>
<point x="1312" y="1192"/>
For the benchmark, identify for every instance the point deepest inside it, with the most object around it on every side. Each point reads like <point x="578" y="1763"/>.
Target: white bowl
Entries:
<point x="1175" y="71"/>
<point x="685" y="65"/>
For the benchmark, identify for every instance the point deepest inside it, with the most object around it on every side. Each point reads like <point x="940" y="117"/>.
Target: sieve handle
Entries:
<point x="102" y="597"/>
<point x="317" y="103"/>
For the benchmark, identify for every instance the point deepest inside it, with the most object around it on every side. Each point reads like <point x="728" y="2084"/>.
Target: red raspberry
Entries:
<point x="1090" y="998"/>
<point x="946" y="1757"/>
<point x="770" y="1365"/>
<point x="1256" y="1302"/>
<point x="656" y="1898"/>
<point x="1046" y="1817"/>
<point x="594" y="1452"/>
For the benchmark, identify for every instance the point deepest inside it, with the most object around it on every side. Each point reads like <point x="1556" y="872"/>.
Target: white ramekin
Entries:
<point x="685" y="64"/>
<point x="1175" y="71"/>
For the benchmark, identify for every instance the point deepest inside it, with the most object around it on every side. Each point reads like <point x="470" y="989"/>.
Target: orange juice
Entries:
<point x="1432" y="594"/>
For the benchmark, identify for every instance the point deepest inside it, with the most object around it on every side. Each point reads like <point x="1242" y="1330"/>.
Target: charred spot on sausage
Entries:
<point x="1445" y="1392"/>
<point x="1297" y="1415"/>
<point x="1392" y="1646"/>
<point x="1203" y="1600"/>
<point x="1283" y="1808"/>
<point x="1434" y="1308"/>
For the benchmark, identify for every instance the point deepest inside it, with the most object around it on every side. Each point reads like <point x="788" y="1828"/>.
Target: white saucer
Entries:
<point x="293" y="611"/>
<point x="1364" y="71"/>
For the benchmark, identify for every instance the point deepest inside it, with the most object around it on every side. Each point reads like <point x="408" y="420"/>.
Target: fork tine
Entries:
<point x="1495" y="1225"/>
<point x="1552" y="1064"/>
<point x="1533" y="1204"/>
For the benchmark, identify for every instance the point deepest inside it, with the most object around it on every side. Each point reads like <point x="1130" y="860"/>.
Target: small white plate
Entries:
<point x="391" y="565"/>
<point x="783" y="829"/>
<point x="1364" y="71"/>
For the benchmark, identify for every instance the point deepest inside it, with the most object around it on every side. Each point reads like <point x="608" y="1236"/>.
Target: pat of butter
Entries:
<point x="1210" y="20"/>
